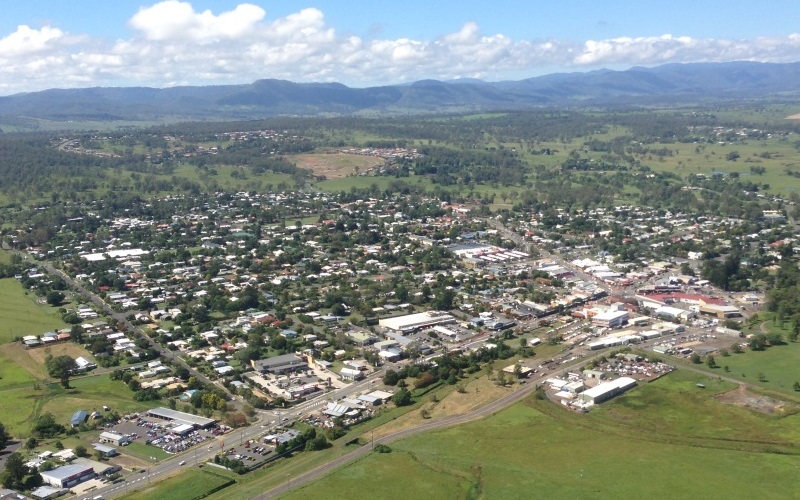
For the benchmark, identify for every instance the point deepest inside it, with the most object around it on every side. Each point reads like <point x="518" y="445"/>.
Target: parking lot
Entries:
<point x="158" y="433"/>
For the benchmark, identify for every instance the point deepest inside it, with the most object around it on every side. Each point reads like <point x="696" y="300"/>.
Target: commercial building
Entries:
<point x="606" y="391"/>
<point x="115" y="438"/>
<point x="280" y="364"/>
<point x="68" y="476"/>
<point x="181" y="418"/>
<point x="412" y="322"/>
<point x="611" y="319"/>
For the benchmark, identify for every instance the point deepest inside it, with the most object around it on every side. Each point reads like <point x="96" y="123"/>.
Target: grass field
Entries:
<point x="12" y="375"/>
<point x="779" y="364"/>
<point x="145" y="451"/>
<point x="21" y="315"/>
<point x="621" y="450"/>
<point x="192" y="483"/>
<point x="21" y="403"/>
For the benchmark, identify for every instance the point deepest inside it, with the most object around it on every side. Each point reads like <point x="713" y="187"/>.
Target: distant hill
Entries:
<point x="671" y="83"/>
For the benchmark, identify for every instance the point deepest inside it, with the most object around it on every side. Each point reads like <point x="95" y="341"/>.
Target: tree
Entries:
<point x="317" y="443"/>
<point x="391" y="378"/>
<point x="55" y="298"/>
<point x="81" y="451"/>
<point x="796" y="386"/>
<point x="696" y="359"/>
<point x="61" y="368"/>
<point x="758" y="342"/>
<point x="4" y="437"/>
<point x="47" y="427"/>
<point x="402" y="397"/>
<point x="19" y="476"/>
<point x="711" y="362"/>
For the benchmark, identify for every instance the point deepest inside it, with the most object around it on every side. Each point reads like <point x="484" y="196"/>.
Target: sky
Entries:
<point x="87" y="43"/>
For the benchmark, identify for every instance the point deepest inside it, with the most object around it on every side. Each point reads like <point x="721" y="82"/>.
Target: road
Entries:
<point x="197" y="455"/>
<point x="529" y="248"/>
<point x="482" y="412"/>
<point x="95" y="299"/>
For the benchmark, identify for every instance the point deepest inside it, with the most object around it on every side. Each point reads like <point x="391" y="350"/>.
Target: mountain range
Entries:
<point x="663" y="85"/>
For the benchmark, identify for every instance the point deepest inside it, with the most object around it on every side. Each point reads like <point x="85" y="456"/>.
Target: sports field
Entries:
<point x="624" y="449"/>
<point x="20" y="315"/>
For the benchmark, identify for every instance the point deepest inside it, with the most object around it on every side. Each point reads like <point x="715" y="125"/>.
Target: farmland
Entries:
<point x="21" y="315"/>
<point x="536" y="447"/>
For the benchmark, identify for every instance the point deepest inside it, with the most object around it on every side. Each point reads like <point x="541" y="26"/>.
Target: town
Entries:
<point x="249" y="306"/>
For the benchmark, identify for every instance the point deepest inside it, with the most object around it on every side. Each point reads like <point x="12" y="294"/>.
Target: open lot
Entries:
<point x="12" y="375"/>
<point x="336" y="165"/>
<point x="71" y="349"/>
<point x="778" y="364"/>
<point x="190" y="484"/>
<point x="622" y="449"/>
<point x="20" y="357"/>
<point x="21" y="405"/>
<point x="21" y="315"/>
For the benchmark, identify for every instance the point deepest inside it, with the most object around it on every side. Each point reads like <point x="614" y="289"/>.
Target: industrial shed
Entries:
<point x="181" y="418"/>
<point x="606" y="390"/>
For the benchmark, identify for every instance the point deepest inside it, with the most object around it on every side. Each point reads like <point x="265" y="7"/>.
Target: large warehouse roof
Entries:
<point x="414" y="321"/>
<point x="610" y="386"/>
<point x="181" y="417"/>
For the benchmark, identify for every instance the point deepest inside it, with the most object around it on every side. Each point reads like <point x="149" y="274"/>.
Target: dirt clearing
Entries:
<point x="760" y="403"/>
<point x="336" y="165"/>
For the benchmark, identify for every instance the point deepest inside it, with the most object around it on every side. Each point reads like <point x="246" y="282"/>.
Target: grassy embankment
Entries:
<point x="668" y="439"/>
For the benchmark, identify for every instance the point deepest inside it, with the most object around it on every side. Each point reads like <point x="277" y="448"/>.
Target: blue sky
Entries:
<point x="47" y="43"/>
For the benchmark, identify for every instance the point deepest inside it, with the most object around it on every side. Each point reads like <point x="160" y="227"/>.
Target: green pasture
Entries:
<point x="624" y="449"/>
<point x="18" y="407"/>
<point x="20" y="315"/>
<point x="676" y="410"/>
<point x="12" y="375"/>
<point x="22" y="404"/>
<point x="779" y="365"/>
<point x="191" y="484"/>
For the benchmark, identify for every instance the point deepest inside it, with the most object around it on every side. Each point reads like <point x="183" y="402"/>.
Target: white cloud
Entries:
<point x="173" y="44"/>
<point x="26" y="41"/>
<point x="174" y="20"/>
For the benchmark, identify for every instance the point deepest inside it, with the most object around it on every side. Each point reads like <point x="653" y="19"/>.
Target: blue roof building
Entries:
<point x="79" y="417"/>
